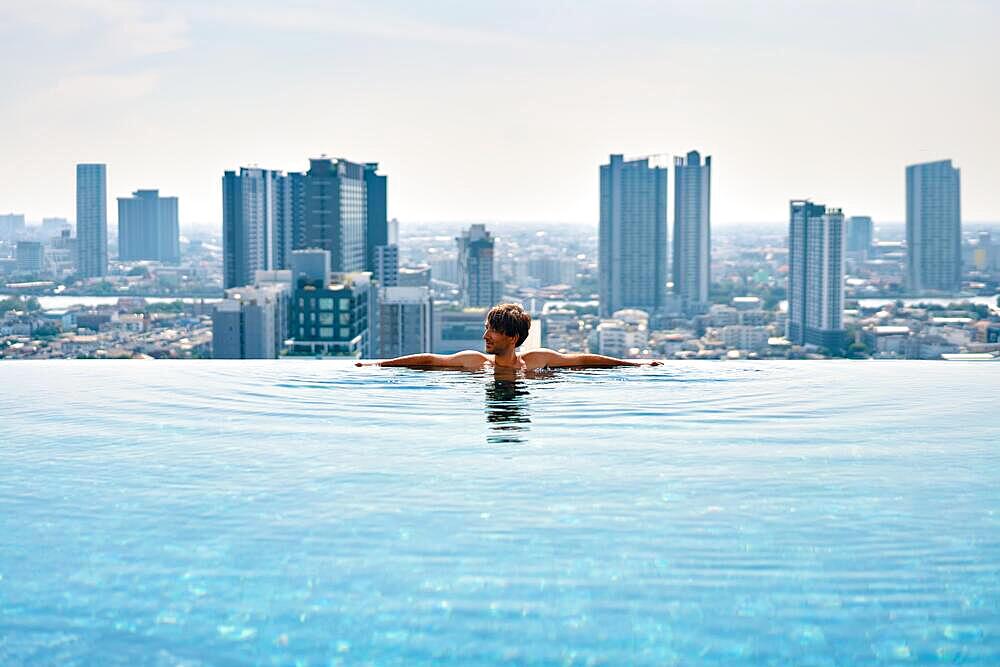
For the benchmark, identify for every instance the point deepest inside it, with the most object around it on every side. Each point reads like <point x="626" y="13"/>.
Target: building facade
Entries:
<point x="476" y="280"/>
<point x="860" y="235"/>
<point x="632" y="253"/>
<point x="12" y="226"/>
<point x="377" y="225"/>
<point x="816" y="275"/>
<point x="148" y="228"/>
<point x="414" y="276"/>
<point x="385" y="266"/>
<point x="336" y="216"/>
<point x="251" y="322"/>
<point x="30" y="257"/>
<point x="333" y="314"/>
<point x="933" y="228"/>
<point x="405" y="321"/>
<point x="692" y="242"/>
<point x="91" y="220"/>
<point x="258" y="223"/>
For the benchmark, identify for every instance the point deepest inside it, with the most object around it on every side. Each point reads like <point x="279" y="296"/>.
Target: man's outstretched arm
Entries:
<point x="552" y="359"/>
<point x="466" y="359"/>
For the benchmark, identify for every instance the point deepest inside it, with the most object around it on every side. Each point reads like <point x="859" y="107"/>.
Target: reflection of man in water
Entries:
<point x="507" y="327"/>
<point x="507" y="410"/>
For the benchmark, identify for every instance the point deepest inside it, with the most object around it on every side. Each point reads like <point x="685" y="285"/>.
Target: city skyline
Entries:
<point x="909" y="86"/>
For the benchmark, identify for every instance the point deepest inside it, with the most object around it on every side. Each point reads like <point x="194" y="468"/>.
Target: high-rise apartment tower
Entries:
<point x="692" y="231"/>
<point x="148" y="227"/>
<point x="933" y="228"/>
<point x="92" y="220"/>
<point x="475" y="268"/>
<point x="816" y="275"/>
<point x="632" y="253"/>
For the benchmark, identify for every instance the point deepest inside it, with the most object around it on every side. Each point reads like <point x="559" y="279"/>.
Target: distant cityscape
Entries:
<point x="308" y="264"/>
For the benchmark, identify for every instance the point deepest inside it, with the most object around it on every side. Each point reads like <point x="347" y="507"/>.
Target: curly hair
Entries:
<point x="509" y="319"/>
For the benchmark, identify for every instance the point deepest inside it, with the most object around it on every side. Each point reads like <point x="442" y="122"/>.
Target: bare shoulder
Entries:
<point x="470" y="359"/>
<point x="540" y="358"/>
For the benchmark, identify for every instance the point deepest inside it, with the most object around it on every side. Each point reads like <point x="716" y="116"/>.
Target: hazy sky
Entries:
<point x="501" y="111"/>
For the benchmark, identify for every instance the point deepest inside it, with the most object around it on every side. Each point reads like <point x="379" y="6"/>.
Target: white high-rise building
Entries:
<point x="91" y="220"/>
<point x="933" y="228"/>
<point x="816" y="275"/>
<point x="692" y="231"/>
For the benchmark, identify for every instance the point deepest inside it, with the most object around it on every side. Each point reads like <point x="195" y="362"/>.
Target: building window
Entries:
<point x="326" y="304"/>
<point x="345" y="319"/>
<point x="326" y="332"/>
<point x="326" y="318"/>
<point x="345" y="332"/>
<point x="345" y="304"/>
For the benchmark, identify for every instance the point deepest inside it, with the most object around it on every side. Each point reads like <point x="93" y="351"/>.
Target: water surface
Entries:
<point x="307" y="512"/>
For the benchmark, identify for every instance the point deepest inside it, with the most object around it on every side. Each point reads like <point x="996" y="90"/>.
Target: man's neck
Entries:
<point x="509" y="359"/>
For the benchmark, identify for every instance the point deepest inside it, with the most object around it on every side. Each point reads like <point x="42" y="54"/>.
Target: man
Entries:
<point x="507" y="327"/>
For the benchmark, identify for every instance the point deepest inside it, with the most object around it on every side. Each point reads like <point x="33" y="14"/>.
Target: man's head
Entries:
<point x="506" y="328"/>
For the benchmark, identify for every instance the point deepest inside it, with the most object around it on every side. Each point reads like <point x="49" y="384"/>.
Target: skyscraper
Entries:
<point x="859" y="234"/>
<point x="692" y="231"/>
<point x="377" y="226"/>
<point x="91" y="220"/>
<point x="336" y="215"/>
<point x="258" y="223"/>
<point x="148" y="227"/>
<point x="475" y="268"/>
<point x="933" y="228"/>
<point x="633" y="236"/>
<point x="296" y="191"/>
<point x="816" y="275"/>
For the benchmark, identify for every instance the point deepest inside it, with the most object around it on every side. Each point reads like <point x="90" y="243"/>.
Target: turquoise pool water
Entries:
<point x="311" y="513"/>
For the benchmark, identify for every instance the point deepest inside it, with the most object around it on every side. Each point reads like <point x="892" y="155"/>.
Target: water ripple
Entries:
<point x="709" y="513"/>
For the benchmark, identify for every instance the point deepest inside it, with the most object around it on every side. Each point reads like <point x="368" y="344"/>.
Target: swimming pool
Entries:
<point x="307" y="512"/>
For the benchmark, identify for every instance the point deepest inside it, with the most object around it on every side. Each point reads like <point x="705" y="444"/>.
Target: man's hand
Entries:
<point x="656" y="363"/>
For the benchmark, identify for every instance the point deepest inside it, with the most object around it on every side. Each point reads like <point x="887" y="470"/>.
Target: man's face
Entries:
<point x="498" y="342"/>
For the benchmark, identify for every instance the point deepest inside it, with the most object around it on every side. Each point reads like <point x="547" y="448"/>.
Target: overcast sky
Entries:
<point x="501" y="111"/>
